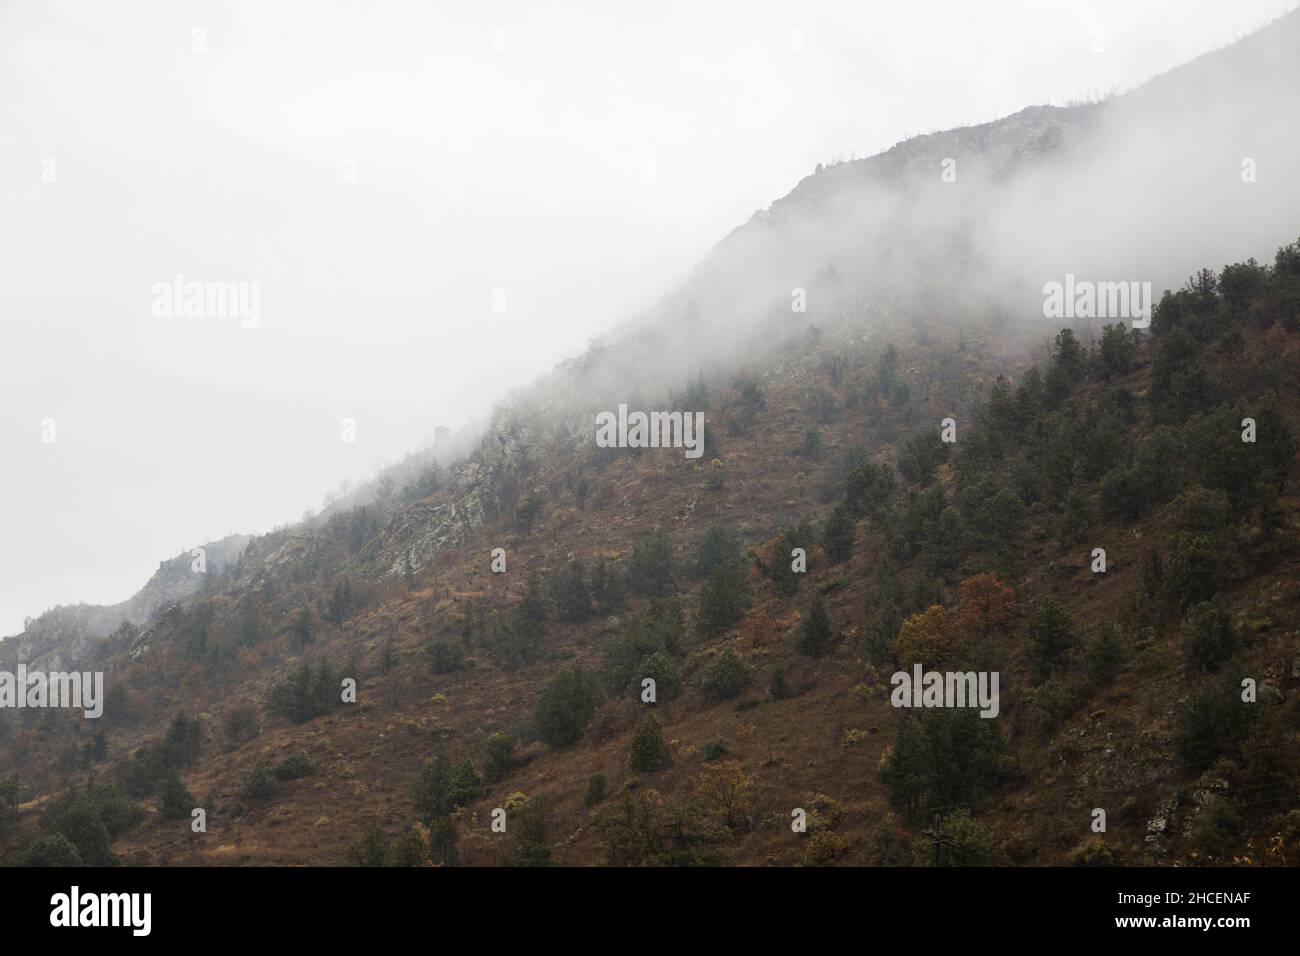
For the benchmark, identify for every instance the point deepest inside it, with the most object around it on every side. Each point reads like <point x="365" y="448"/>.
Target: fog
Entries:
<point x="1192" y="170"/>
<point x="437" y="205"/>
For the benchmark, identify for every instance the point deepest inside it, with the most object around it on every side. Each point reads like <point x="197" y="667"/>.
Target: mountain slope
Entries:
<point x="1120" y="688"/>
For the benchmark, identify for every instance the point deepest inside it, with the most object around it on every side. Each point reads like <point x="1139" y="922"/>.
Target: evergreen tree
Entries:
<point x="566" y="707"/>
<point x="1050" y="639"/>
<point x="650" y="752"/>
<point x="726" y="677"/>
<point x="723" y="598"/>
<point x="500" y="757"/>
<point x="839" y="534"/>
<point x="815" y="629"/>
<point x="177" y="801"/>
<point x="652" y="566"/>
<point x="531" y="846"/>
<point x="571" y="594"/>
<point x="606" y="588"/>
<point x="526" y="635"/>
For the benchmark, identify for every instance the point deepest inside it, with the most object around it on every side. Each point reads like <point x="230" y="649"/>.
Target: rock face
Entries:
<point x="489" y="481"/>
<point x="65" y="637"/>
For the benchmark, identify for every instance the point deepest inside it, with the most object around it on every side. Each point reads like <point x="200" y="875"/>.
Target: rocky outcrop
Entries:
<point x="65" y="637"/>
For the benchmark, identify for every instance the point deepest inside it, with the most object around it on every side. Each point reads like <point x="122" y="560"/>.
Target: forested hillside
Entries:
<point x="1112" y="529"/>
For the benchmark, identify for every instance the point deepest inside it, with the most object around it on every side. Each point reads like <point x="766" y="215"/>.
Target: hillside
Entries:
<point x="1121" y="688"/>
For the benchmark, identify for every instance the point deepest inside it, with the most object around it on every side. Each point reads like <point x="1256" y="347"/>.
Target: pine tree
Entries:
<point x="1050" y="640"/>
<point x="500" y="757"/>
<point x="570" y="592"/>
<point x="532" y="846"/>
<point x="566" y="707"/>
<point x="815" y="629"/>
<point x="723" y="599"/>
<point x="839" y="534"/>
<point x="527" y="633"/>
<point x="177" y="801"/>
<point x="652" y="566"/>
<point x="650" y="752"/>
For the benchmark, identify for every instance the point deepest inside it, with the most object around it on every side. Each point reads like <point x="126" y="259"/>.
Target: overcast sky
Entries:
<point x="378" y="170"/>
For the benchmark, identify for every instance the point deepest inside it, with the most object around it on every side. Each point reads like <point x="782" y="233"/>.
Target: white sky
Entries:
<point x="582" y="156"/>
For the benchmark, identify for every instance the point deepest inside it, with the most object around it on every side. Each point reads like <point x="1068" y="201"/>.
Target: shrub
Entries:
<point x="644" y="830"/>
<point x="90" y="818"/>
<point x="466" y="785"/>
<point x="726" y="677"/>
<point x="719" y="547"/>
<point x="1092" y="852"/>
<point x="372" y="848"/>
<point x="869" y="488"/>
<point x="528" y="512"/>
<point x="920" y="455"/>
<point x="182" y="741"/>
<point x="408" y="848"/>
<point x="941" y="757"/>
<point x="571" y="594"/>
<point x="376" y="848"/>
<point x="8" y="802"/>
<point x="1105" y="654"/>
<point x="241" y="724"/>
<point x="1216" y="833"/>
<point x="815" y="629"/>
<point x="566" y="706"/>
<point x="777" y="688"/>
<point x="442" y="841"/>
<point x="531" y="846"/>
<point x="888" y="844"/>
<point x="1210" y="638"/>
<point x="606" y="588"/>
<point x="1211" y="723"/>
<point x="650" y="752"/>
<point x="1051" y="639"/>
<point x="1193" y="570"/>
<point x="177" y="801"/>
<point x="1055" y="701"/>
<point x="825" y="848"/>
<point x="1122" y="494"/>
<point x="445" y="657"/>
<point x="302" y="627"/>
<point x="595" y="790"/>
<point x="924" y="638"/>
<point x="293" y="767"/>
<point x="722" y="599"/>
<point x="662" y="669"/>
<point x="839" y="534"/>
<point x="651" y="571"/>
<point x="778" y="566"/>
<point x="432" y="795"/>
<point x="526" y="634"/>
<point x="658" y="629"/>
<point x="261" y="786"/>
<point x="53" y="849"/>
<point x="311" y="690"/>
<point x="959" y="840"/>
<point x="724" y="789"/>
<point x="715" y="747"/>
<point x="500" y="761"/>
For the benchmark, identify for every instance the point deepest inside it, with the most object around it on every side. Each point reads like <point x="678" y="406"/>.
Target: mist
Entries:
<point x="967" y="227"/>
<point x="439" y="206"/>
